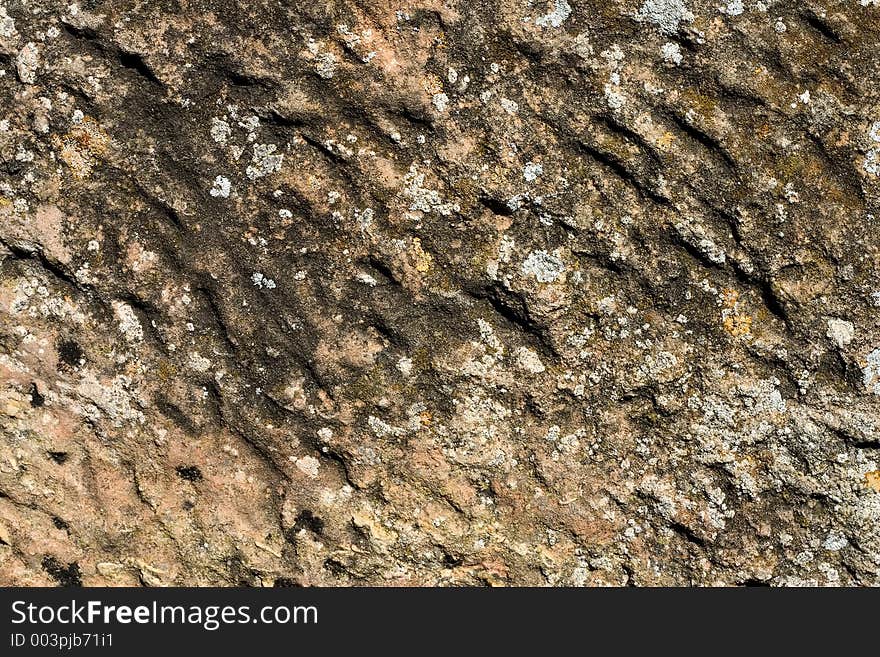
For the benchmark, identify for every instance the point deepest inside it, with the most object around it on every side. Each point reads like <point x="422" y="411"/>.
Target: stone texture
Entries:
<point x="444" y="293"/>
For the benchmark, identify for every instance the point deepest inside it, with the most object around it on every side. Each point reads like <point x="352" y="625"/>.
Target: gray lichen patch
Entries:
<point x="221" y="187"/>
<point x="264" y="161"/>
<point x="840" y="331"/>
<point x="543" y="266"/>
<point x="422" y="198"/>
<point x="7" y="24"/>
<point x="871" y="372"/>
<point x="668" y="15"/>
<point x="557" y="16"/>
<point x="325" y="64"/>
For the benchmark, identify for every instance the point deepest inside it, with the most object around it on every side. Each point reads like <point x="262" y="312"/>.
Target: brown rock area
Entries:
<point x="510" y="292"/>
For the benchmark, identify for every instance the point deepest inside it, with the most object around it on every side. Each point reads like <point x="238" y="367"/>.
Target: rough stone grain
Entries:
<point x="573" y="292"/>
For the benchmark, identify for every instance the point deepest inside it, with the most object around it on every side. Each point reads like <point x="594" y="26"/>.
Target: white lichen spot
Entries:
<point x="545" y="267"/>
<point x="440" y="102"/>
<point x="366" y="279"/>
<point x="505" y="248"/>
<point x="487" y="335"/>
<point x="871" y="372"/>
<point x="733" y="8"/>
<point x="250" y="124"/>
<point x="27" y="62"/>
<point x="712" y="251"/>
<point x="529" y="361"/>
<point x="696" y="235"/>
<point x="112" y="400"/>
<point x="260" y="281"/>
<point x="129" y="324"/>
<point x="668" y="15"/>
<point x="24" y="155"/>
<point x="325" y="65"/>
<point x="382" y="429"/>
<point x="198" y="362"/>
<point x="308" y="465"/>
<point x="769" y="398"/>
<point x="509" y="106"/>
<point x="582" y="46"/>
<point x="874" y="132"/>
<point x="264" y="161"/>
<point x="671" y="53"/>
<point x="840" y="331"/>
<point x="423" y="199"/>
<point x="405" y="366"/>
<point x="531" y="171"/>
<point x="613" y="55"/>
<point x="220" y="130"/>
<point x="872" y="162"/>
<point x="221" y="188"/>
<point x="557" y="16"/>
<point x="364" y="218"/>
<point x="84" y="274"/>
<point x="835" y="541"/>
<point x="614" y="97"/>
<point x="7" y="25"/>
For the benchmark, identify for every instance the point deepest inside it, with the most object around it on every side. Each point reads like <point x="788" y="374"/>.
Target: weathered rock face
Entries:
<point x="567" y="292"/>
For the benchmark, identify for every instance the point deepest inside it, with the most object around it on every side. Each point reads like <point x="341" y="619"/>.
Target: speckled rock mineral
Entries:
<point x="511" y="292"/>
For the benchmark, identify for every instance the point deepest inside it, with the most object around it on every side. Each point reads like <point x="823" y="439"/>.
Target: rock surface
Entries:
<point x="578" y="292"/>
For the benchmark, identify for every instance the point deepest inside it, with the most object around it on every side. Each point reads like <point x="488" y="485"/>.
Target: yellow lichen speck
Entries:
<point x="423" y="258"/>
<point x="734" y="321"/>
<point x="665" y="141"/>
<point x="81" y="147"/>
